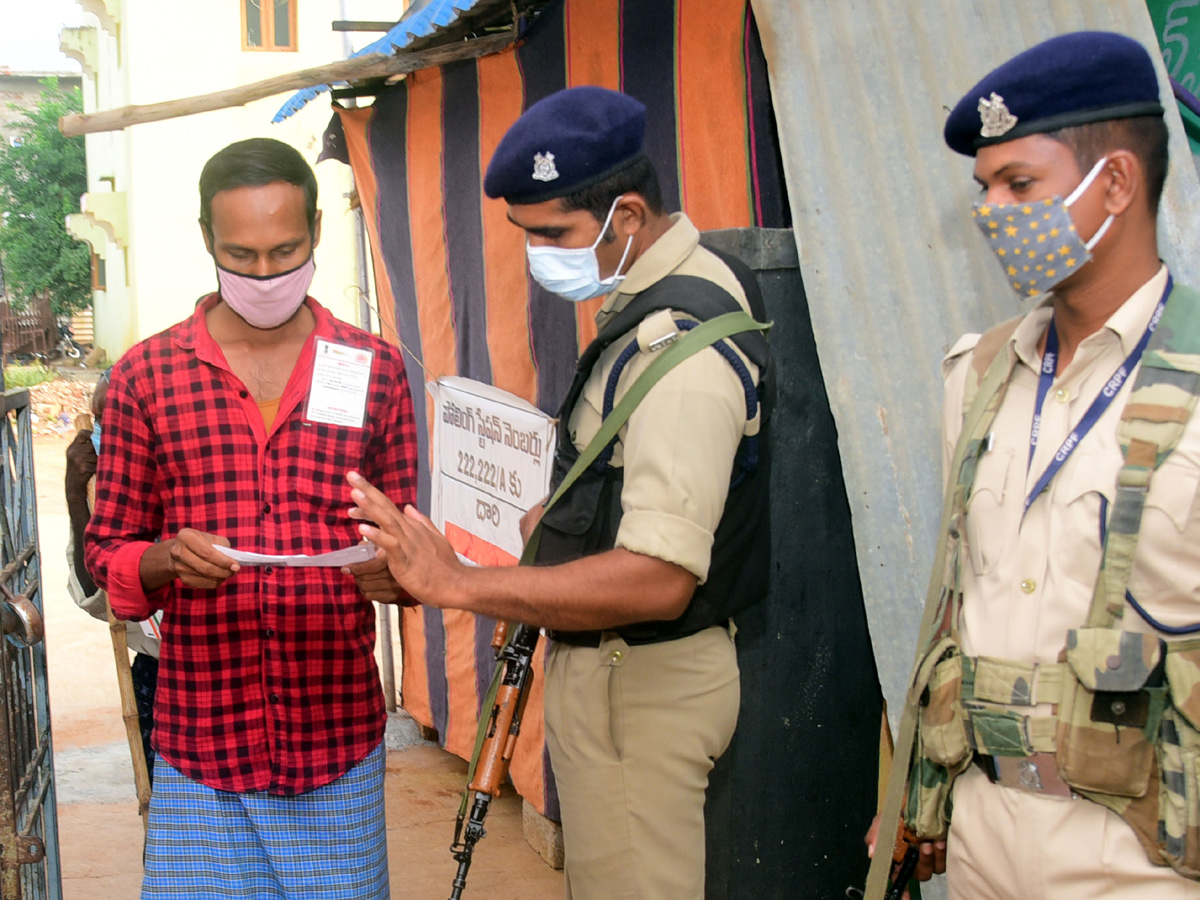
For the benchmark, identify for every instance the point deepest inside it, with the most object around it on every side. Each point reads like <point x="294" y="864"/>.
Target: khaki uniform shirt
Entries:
<point x="679" y="445"/>
<point x="1025" y="584"/>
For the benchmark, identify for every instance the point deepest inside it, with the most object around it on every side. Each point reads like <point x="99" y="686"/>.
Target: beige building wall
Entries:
<point x="141" y="210"/>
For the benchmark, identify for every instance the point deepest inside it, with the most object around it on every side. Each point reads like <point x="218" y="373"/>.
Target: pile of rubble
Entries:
<point x="57" y="404"/>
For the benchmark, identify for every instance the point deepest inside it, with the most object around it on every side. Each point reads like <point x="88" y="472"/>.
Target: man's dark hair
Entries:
<point x="1144" y="136"/>
<point x="252" y="163"/>
<point x="639" y="177"/>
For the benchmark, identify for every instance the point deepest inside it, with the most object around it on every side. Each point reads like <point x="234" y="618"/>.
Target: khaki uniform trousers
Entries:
<point x="633" y="733"/>
<point x="1007" y="844"/>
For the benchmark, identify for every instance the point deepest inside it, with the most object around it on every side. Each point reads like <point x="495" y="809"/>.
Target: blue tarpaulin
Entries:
<point x="422" y="19"/>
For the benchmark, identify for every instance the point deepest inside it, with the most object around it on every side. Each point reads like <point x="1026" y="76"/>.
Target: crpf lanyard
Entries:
<point x="1102" y="402"/>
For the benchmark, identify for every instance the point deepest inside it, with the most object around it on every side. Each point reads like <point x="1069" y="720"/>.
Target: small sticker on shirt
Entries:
<point x="340" y="380"/>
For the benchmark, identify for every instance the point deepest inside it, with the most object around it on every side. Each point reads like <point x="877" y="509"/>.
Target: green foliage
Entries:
<point x="27" y="376"/>
<point x="41" y="181"/>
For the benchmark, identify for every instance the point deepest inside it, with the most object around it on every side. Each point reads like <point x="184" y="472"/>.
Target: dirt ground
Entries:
<point x="100" y="831"/>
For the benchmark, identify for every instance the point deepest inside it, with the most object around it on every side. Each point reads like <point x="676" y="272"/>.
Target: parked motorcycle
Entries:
<point x="66" y="343"/>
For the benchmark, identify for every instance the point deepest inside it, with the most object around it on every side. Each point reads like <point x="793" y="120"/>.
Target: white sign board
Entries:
<point x="491" y="462"/>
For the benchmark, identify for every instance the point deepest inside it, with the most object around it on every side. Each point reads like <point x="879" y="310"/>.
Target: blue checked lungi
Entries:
<point x="328" y="844"/>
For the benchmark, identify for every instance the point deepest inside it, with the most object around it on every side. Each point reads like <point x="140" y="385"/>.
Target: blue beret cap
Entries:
<point x="1072" y="79"/>
<point x="564" y="143"/>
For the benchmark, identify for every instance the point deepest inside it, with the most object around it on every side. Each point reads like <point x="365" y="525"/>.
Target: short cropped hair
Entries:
<point x="639" y="177"/>
<point x="252" y="163"/>
<point x="1144" y="136"/>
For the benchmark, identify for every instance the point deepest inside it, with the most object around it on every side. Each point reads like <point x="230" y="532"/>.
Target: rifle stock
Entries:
<point x="503" y="725"/>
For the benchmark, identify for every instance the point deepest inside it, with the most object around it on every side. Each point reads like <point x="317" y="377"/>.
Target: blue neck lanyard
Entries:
<point x="1102" y="402"/>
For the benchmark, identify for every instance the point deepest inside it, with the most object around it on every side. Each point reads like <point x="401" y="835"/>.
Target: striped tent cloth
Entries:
<point x="452" y="283"/>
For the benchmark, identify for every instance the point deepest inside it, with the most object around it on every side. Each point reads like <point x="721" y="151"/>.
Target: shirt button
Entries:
<point x="243" y="394"/>
<point x="267" y="570"/>
<point x="274" y="698"/>
<point x="266" y="508"/>
<point x="270" y="632"/>
<point x="1028" y="585"/>
<point x="1062" y="395"/>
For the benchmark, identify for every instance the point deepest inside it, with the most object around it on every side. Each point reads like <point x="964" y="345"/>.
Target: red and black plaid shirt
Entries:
<point x="267" y="683"/>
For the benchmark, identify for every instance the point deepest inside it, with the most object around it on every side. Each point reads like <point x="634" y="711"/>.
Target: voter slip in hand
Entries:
<point x="349" y="556"/>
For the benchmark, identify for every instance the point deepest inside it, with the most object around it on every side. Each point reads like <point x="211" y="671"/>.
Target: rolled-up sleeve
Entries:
<point x="679" y="450"/>
<point x="128" y="515"/>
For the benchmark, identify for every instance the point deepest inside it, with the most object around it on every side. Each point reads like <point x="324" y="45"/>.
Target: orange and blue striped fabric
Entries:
<point x="452" y="284"/>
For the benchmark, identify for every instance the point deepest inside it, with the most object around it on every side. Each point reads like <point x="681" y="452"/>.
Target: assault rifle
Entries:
<point x="493" y="756"/>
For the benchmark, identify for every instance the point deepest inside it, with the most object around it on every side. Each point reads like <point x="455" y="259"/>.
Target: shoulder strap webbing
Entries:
<point x="703" y="335"/>
<point x="1154" y="418"/>
<point x="942" y="593"/>
<point x="689" y="294"/>
<point x="698" y="298"/>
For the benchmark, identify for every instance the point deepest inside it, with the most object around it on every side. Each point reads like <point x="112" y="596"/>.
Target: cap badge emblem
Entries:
<point x="543" y="167"/>
<point x="997" y="120"/>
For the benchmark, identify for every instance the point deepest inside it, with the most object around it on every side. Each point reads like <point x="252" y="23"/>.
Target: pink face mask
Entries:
<point x="266" y="301"/>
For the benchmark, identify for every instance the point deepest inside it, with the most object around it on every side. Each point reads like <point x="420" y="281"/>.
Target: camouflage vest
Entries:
<point x="1126" y="726"/>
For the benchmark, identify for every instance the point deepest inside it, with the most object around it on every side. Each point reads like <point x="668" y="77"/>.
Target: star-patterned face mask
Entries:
<point x="1037" y="243"/>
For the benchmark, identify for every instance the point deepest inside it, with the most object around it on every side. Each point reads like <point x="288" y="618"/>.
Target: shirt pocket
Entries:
<point x="1166" y="568"/>
<point x="1172" y="494"/>
<point x="1087" y="496"/>
<point x="988" y="508"/>
<point x="320" y="455"/>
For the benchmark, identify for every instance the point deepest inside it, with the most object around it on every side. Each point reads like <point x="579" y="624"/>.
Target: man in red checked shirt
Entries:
<point x="235" y="428"/>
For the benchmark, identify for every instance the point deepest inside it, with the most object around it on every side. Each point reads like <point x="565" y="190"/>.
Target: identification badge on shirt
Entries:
<point x="340" y="380"/>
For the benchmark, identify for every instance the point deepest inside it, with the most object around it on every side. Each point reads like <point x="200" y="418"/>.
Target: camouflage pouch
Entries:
<point x="1179" y="761"/>
<point x="943" y="723"/>
<point x="1112" y="704"/>
<point x="942" y="750"/>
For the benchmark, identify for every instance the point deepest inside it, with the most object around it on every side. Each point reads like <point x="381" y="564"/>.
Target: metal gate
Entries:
<point x="29" y="866"/>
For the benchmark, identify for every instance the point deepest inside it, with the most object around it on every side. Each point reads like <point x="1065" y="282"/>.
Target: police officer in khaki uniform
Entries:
<point x="642" y="685"/>
<point x="1070" y="154"/>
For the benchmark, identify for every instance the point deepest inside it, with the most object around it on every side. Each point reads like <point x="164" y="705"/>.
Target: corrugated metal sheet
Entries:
<point x="893" y="268"/>
<point x="420" y="20"/>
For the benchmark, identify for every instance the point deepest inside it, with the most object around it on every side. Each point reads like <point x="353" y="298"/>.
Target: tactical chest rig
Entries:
<point x="1126" y="728"/>
<point x="585" y="519"/>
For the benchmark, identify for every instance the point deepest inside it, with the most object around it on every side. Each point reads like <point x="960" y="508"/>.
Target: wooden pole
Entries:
<point x="359" y="68"/>
<point x="129" y="714"/>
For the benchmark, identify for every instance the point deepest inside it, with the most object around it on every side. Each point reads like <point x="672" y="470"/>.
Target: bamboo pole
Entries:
<point x="129" y="714"/>
<point x="359" y="68"/>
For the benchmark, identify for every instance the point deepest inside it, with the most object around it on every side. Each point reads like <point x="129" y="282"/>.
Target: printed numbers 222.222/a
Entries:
<point x="489" y="474"/>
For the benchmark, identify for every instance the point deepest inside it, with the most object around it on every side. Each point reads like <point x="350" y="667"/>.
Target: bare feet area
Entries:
<point x="100" y="831"/>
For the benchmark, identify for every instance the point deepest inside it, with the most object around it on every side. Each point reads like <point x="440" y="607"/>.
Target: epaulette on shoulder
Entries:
<point x="987" y="346"/>
<point x="961" y="348"/>
<point x="990" y="343"/>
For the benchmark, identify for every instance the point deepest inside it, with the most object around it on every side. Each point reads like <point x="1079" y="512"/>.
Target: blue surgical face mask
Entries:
<point x="575" y="273"/>
<point x="96" y="437"/>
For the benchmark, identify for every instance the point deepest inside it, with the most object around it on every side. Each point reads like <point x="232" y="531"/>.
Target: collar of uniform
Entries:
<point x="193" y="333"/>
<point x="660" y="259"/>
<point x="1128" y="323"/>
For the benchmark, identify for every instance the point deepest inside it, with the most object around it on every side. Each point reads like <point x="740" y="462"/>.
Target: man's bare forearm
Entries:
<point x="594" y="593"/>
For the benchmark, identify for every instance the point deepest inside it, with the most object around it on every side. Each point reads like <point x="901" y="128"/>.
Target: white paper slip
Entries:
<point x="340" y="380"/>
<point x="346" y="557"/>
